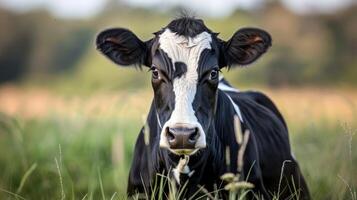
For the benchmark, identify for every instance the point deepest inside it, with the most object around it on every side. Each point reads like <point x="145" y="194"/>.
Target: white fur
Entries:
<point x="236" y="108"/>
<point x="188" y="51"/>
<point x="227" y="88"/>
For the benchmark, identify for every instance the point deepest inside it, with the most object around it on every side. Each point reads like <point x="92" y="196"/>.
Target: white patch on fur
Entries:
<point x="228" y="88"/>
<point x="188" y="51"/>
<point x="225" y="87"/>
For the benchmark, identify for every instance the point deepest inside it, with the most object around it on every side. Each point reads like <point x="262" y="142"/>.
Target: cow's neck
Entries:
<point x="224" y="125"/>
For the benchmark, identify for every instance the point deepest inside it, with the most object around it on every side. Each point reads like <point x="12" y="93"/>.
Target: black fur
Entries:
<point x="245" y="46"/>
<point x="266" y="151"/>
<point x="188" y="26"/>
<point x="180" y="69"/>
<point x="122" y="46"/>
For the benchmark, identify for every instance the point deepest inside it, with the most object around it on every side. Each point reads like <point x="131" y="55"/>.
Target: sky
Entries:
<point x="214" y="8"/>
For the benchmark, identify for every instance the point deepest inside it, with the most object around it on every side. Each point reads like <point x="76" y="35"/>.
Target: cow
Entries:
<point x="192" y="112"/>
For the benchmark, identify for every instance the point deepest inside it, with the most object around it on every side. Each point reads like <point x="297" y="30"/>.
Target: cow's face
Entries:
<point x="185" y="59"/>
<point x="185" y="79"/>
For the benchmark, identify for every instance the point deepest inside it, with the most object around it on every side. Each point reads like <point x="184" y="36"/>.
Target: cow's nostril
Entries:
<point x="193" y="136"/>
<point x="170" y="135"/>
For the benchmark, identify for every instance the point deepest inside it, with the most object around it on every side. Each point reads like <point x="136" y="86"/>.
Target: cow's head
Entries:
<point x="185" y="59"/>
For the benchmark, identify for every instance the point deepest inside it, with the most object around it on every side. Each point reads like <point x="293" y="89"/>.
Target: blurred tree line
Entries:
<point x="307" y="49"/>
<point x="37" y="43"/>
<point x="314" y="48"/>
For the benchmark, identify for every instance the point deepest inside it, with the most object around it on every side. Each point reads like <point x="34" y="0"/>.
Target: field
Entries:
<point x="69" y="117"/>
<point x="56" y="146"/>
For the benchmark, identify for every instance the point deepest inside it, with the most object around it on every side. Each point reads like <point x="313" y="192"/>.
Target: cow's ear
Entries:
<point x="122" y="47"/>
<point x="245" y="46"/>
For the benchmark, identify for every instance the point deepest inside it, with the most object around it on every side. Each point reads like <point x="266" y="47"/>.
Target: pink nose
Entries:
<point x="181" y="137"/>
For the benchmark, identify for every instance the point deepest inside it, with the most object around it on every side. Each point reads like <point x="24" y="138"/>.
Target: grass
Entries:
<point x="82" y="149"/>
<point x="86" y="151"/>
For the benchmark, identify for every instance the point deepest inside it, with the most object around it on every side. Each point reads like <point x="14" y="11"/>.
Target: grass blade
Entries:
<point x="63" y="195"/>
<point x="101" y="184"/>
<point x="26" y="175"/>
<point x="11" y="193"/>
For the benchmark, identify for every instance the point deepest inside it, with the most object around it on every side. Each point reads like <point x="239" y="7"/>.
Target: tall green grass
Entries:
<point x="78" y="150"/>
<point x="89" y="158"/>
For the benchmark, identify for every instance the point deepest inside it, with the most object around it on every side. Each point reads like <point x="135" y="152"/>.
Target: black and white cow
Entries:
<point x="193" y="109"/>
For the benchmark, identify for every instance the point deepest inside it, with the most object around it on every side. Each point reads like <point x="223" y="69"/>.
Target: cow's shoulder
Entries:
<point x="257" y="97"/>
<point x="250" y="98"/>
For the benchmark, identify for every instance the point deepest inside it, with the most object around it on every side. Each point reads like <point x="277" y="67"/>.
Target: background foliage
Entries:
<point x="314" y="49"/>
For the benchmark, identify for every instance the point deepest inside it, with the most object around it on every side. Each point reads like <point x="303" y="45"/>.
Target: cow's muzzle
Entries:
<point x="182" y="139"/>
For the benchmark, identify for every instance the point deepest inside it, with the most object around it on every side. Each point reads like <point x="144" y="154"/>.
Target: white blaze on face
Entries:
<point x="186" y="50"/>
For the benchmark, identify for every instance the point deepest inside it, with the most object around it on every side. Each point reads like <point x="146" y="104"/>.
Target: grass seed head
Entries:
<point x="238" y="130"/>
<point x="235" y="186"/>
<point x="229" y="177"/>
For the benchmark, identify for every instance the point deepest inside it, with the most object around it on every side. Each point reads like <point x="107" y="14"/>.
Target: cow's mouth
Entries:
<point x="187" y="152"/>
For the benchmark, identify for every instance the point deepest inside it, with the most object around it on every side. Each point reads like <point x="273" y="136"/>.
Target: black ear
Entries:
<point x="122" y="47"/>
<point x="245" y="46"/>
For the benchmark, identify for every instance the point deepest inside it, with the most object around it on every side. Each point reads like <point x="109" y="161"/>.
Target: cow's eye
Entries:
<point x="214" y="74"/>
<point x="155" y="73"/>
